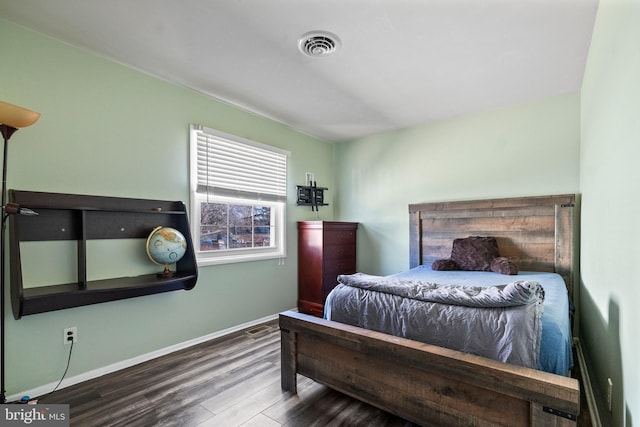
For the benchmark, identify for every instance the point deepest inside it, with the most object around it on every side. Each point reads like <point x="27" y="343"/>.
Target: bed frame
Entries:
<point x="431" y="385"/>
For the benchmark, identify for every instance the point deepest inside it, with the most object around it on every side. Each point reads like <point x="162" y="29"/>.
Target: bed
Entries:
<point x="433" y="385"/>
<point x="543" y="342"/>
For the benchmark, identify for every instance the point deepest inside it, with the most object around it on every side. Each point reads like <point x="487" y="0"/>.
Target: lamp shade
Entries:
<point x="17" y="117"/>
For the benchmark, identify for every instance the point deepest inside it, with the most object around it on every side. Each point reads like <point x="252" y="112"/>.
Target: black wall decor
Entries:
<point x="311" y="195"/>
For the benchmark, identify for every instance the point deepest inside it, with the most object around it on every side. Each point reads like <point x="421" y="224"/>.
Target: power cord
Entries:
<point x="26" y="399"/>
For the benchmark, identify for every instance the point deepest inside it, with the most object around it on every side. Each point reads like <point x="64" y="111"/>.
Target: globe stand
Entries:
<point x="166" y="274"/>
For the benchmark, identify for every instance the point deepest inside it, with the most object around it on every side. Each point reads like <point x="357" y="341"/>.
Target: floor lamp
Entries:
<point x="12" y="117"/>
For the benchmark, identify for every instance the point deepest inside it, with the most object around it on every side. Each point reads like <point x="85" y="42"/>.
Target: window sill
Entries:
<point x="233" y="259"/>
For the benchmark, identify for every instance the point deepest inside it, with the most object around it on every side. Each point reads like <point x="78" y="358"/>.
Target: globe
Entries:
<point x="165" y="246"/>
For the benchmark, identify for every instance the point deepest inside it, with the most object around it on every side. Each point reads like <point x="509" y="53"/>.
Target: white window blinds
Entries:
<point x="233" y="167"/>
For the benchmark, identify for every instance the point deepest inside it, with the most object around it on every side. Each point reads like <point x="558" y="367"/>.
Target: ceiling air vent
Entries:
<point x="318" y="44"/>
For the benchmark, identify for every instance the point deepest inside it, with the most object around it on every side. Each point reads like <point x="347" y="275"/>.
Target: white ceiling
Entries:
<point x="401" y="63"/>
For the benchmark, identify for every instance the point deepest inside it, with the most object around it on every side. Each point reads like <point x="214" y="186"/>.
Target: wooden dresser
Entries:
<point x="326" y="249"/>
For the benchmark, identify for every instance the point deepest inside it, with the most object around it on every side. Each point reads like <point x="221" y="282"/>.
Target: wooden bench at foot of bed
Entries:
<point x="422" y="383"/>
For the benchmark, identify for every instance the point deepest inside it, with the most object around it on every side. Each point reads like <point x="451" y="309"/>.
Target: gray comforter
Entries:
<point x="499" y="322"/>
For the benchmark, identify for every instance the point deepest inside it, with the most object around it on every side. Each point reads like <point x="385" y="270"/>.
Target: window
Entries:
<point x="238" y="198"/>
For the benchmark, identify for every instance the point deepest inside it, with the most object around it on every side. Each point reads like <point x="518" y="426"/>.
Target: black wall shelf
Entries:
<point x="81" y="218"/>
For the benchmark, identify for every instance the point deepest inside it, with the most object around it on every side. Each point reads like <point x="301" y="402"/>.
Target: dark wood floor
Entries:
<point x="231" y="381"/>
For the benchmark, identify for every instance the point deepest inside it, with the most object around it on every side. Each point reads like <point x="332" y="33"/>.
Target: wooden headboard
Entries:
<point x="537" y="233"/>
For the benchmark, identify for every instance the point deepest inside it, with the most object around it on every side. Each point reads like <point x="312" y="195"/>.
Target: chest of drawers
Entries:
<point x="326" y="249"/>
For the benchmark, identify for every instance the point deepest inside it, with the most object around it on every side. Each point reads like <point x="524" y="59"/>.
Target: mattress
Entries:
<point x="555" y="346"/>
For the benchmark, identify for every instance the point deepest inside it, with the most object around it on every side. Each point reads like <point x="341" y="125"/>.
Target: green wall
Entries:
<point x="521" y="151"/>
<point x="610" y="186"/>
<point x="104" y="127"/>
<point x="110" y="130"/>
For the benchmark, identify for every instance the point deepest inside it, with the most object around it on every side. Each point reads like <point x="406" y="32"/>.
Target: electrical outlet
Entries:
<point x="609" y="393"/>
<point x="309" y="178"/>
<point x="70" y="335"/>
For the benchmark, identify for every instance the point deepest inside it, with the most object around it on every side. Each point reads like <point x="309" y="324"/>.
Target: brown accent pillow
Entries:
<point x="444" y="265"/>
<point x="474" y="253"/>
<point x="502" y="265"/>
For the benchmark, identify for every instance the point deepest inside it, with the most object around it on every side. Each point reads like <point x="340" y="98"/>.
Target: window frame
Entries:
<point x="278" y="208"/>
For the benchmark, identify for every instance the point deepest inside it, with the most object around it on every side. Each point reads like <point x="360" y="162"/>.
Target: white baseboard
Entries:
<point x="586" y="385"/>
<point x="47" y="388"/>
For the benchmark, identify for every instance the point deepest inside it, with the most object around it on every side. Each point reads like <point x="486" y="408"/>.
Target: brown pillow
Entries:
<point x="502" y="265"/>
<point x="474" y="253"/>
<point x="444" y="265"/>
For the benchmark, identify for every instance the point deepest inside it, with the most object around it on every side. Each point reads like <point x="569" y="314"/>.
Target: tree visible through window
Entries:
<point x="231" y="226"/>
